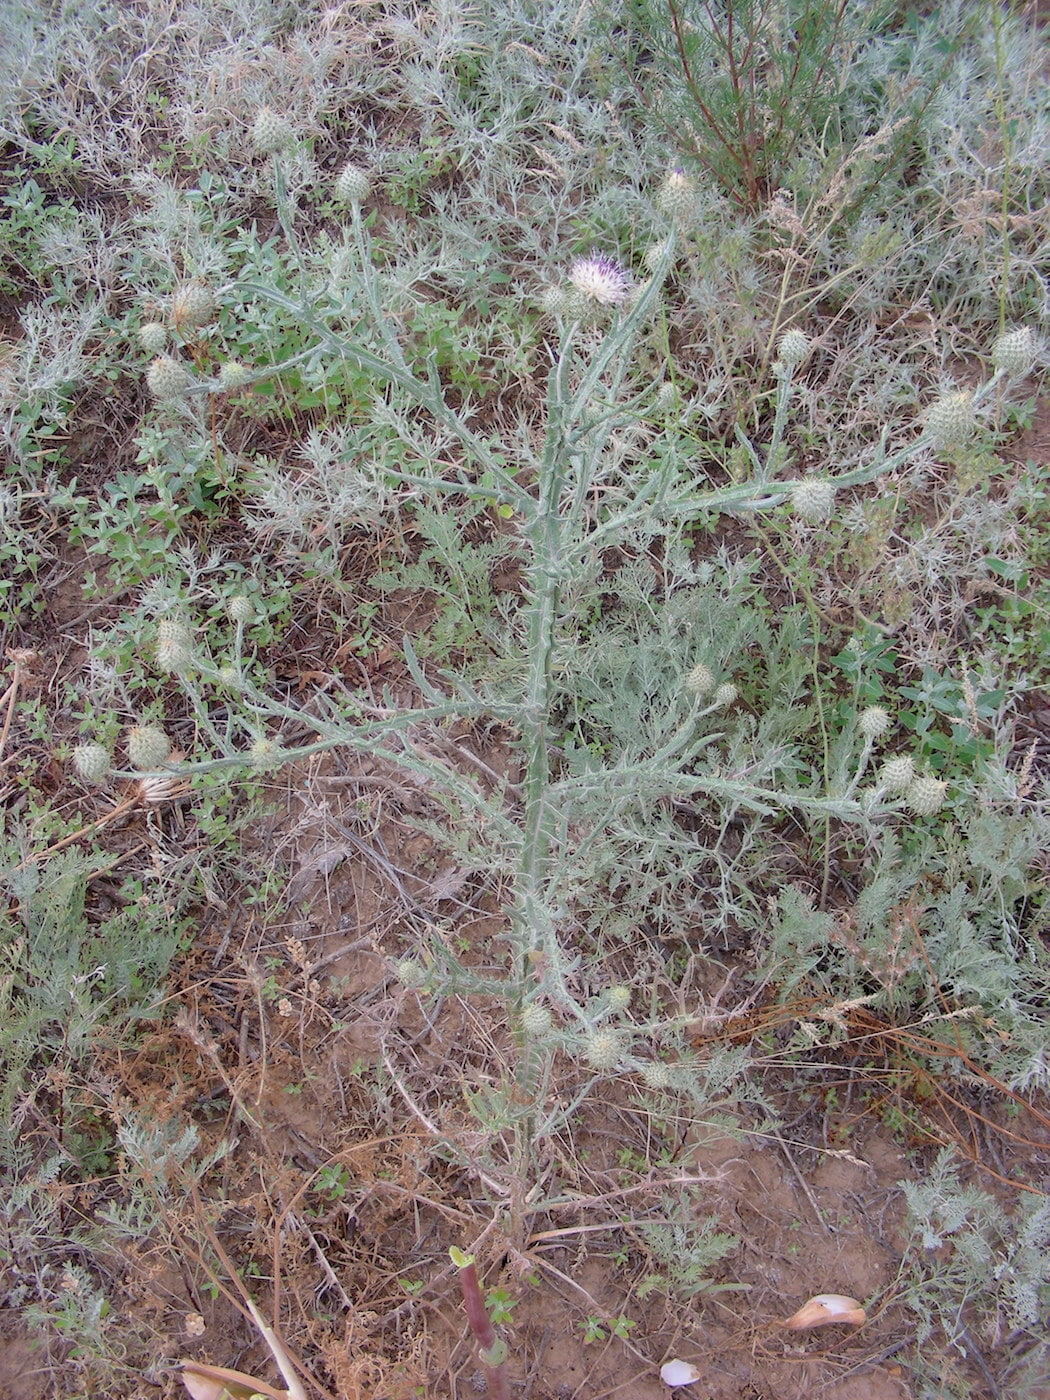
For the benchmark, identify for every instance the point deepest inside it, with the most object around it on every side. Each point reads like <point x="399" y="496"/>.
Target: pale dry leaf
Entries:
<point x="674" y="1373"/>
<point x="825" y="1308"/>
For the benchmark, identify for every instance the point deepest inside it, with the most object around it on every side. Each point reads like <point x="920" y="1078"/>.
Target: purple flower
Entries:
<point x="601" y="279"/>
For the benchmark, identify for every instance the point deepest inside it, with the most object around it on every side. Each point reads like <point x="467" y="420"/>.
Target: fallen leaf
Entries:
<point x="219" y="1383"/>
<point x="825" y="1308"/>
<point x="678" y="1373"/>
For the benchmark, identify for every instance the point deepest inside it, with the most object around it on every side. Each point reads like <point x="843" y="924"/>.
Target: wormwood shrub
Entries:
<point x="72" y="990"/>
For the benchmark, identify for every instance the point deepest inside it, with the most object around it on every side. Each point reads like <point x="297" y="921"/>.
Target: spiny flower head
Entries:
<point x="148" y="746"/>
<point x="410" y="973"/>
<point x="271" y="133"/>
<point x="725" y="695"/>
<point x="700" y="681"/>
<point x="240" y="609"/>
<point x="193" y="304"/>
<point x="234" y="375"/>
<point x="352" y="185"/>
<point x="92" y="762"/>
<point x="174" y="645"/>
<point x="264" y="755"/>
<point x="677" y="196"/>
<point x="601" y="279"/>
<point x="898" y="773"/>
<point x="951" y="419"/>
<point x="603" y="1050"/>
<point x="536" y="1020"/>
<point x="167" y="379"/>
<point x="657" y="1075"/>
<point x="1014" y="352"/>
<point x="153" y="337"/>
<point x="925" y="795"/>
<point x="813" y="499"/>
<point x="873" y="722"/>
<point x="655" y="254"/>
<point x="793" y="347"/>
<point x="618" y="998"/>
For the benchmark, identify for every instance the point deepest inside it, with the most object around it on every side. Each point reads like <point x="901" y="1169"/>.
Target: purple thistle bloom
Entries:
<point x="602" y="279"/>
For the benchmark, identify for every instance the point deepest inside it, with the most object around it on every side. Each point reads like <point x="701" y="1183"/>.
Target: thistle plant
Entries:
<point x="566" y="493"/>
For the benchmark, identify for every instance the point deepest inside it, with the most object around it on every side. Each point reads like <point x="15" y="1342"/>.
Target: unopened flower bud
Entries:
<point x="793" y="347"/>
<point x="554" y="301"/>
<point x="925" y="796"/>
<point x="352" y="185"/>
<point x="813" y="499"/>
<point x="1014" y="352"/>
<point x="411" y="974"/>
<point x="897" y="773"/>
<point x="655" y="254"/>
<point x="603" y="1050"/>
<point x="174" y="645"/>
<point x="148" y="746"/>
<point x="657" y="1075"/>
<point x="618" y="998"/>
<point x="92" y="762"/>
<point x="951" y="419"/>
<point x="193" y="305"/>
<point x="873" y="722"/>
<point x="271" y="133"/>
<point x="677" y="197"/>
<point x="265" y="755"/>
<point x="700" y="681"/>
<point x="725" y="695"/>
<point x="153" y="337"/>
<point x="240" y="609"/>
<point x="234" y="375"/>
<point x="167" y="379"/>
<point x="536" y="1020"/>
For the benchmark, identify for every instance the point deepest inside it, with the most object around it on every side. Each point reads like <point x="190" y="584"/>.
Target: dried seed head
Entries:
<point x="352" y="185"/>
<point x="898" y="773"/>
<point x="536" y="1020"/>
<point x="193" y="305"/>
<point x="174" y="645"/>
<point x="153" y="337"/>
<point x="234" y="375"/>
<point x="147" y="745"/>
<point x="813" y="499"/>
<point x="677" y="197"/>
<point x="153" y="791"/>
<point x="240" y="609"/>
<point x="700" y="681"/>
<point x="167" y="379"/>
<point x="600" y="279"/>
<point x="925" y="796"/>
<point x="603" y="1050"/>
<point x="92" y="762"/>
<point x="873" y="722"/>
<point x="793" y="347"/>
<point x="951" y="419"/>
<point x="1015" y="351"/>
<point x="725" y="695"/>
<point x="271" y="133"/>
